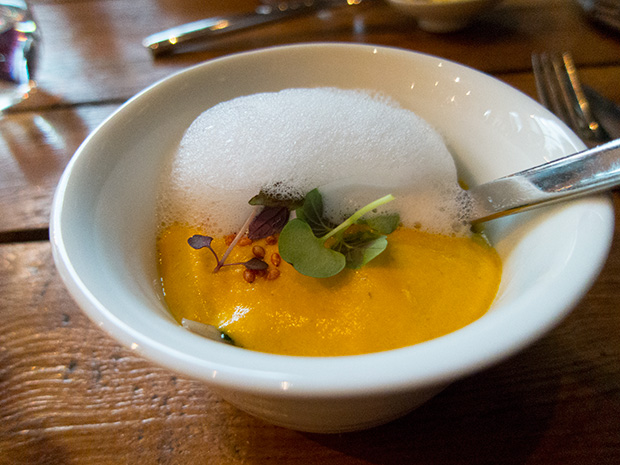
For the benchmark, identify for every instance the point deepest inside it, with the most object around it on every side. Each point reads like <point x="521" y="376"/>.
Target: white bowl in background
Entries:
<point x="443" y="15"/>
<point x="103" y="232"/>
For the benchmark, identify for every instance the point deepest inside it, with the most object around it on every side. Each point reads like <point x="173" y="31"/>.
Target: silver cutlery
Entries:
<point x="560" y="90"/>
<point x="582" y="173"/>
<point x="186" y="36"/>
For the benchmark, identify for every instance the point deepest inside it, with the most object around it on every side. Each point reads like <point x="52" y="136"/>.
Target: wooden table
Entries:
<point x="69" y="394"/>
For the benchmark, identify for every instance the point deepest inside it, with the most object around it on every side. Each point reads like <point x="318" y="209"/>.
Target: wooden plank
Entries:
<point x="106" y="61"/>
<point x="71" y="395"/>
<point x="34" y="150"/>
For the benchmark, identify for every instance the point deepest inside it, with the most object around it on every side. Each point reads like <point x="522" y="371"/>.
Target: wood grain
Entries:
<point x="106" y="60"/>
<point x="34" y="150"/>
<point x="69" y="394"/>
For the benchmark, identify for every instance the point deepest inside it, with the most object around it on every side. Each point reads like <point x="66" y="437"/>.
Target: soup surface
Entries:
<point x="423" y="286"/>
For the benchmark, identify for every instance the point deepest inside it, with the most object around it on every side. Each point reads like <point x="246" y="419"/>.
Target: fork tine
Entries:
<point x="570" y="88"/>
<point x="547" y="86"/>
<point x="582" y="111"/>
<point x="560" y="90"/>
<point x="540" y="78"/>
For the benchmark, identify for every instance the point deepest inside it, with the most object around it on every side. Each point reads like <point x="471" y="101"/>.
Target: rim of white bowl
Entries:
<point x="426" y="364"/>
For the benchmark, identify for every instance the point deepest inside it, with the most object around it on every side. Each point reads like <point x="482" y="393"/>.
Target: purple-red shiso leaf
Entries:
<point x="268" y="222"/>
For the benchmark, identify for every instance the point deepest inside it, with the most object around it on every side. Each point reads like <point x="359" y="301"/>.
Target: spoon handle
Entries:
<point x="582" y="173"/>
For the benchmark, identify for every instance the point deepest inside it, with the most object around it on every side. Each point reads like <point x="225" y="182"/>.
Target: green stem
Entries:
<point x="240" y="234"/>
<point x="357" y="215"/>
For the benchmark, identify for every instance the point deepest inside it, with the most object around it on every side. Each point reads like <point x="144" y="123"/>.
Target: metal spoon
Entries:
<point x="185" y="36"/>
<point x="582" y="173"/>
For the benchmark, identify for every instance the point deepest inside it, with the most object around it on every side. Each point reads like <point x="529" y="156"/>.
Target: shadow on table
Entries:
<point x="556" y="402"/>
<point x="494" y="417"/>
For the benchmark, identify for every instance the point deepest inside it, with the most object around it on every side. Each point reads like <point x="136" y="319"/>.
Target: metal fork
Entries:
<point x="560" y="90"/>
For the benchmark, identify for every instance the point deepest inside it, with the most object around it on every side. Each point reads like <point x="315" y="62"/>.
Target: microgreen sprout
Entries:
<point x="198" y="241"/>
<point x="316" y="248"/>
<point x="242" y="231"/>
<point x="310" y="242"/>
<point x="268" y="216"/>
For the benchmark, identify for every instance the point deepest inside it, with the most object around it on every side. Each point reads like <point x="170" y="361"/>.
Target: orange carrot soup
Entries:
<point x="423" y="286"/>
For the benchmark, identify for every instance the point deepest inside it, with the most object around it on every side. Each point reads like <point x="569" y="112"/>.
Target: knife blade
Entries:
<point x="192" y="35"/>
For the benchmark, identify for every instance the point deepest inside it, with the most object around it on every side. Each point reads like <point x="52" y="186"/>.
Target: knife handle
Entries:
<point x="178" y="38"/>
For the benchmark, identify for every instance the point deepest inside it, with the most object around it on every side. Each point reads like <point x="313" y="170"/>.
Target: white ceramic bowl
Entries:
<point x="443" y="15"/>
<point x="103" y="232"/>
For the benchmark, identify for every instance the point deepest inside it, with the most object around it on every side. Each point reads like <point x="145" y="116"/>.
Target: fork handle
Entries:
<point x="586" y="172"/>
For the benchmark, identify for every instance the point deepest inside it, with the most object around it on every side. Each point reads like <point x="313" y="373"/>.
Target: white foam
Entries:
<point x="352" y="145"/>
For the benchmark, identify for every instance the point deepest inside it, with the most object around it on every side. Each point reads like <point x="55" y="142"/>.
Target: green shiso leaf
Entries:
<point x="359" y="256"/>
<point x="316" y="248"/>
<point x="312" y="213"/>
<point x="307" y="253"/>
<point x="384" y="224"/>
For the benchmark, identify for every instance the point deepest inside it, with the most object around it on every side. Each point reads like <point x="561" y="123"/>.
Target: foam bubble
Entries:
<point x="353" y="145"/>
